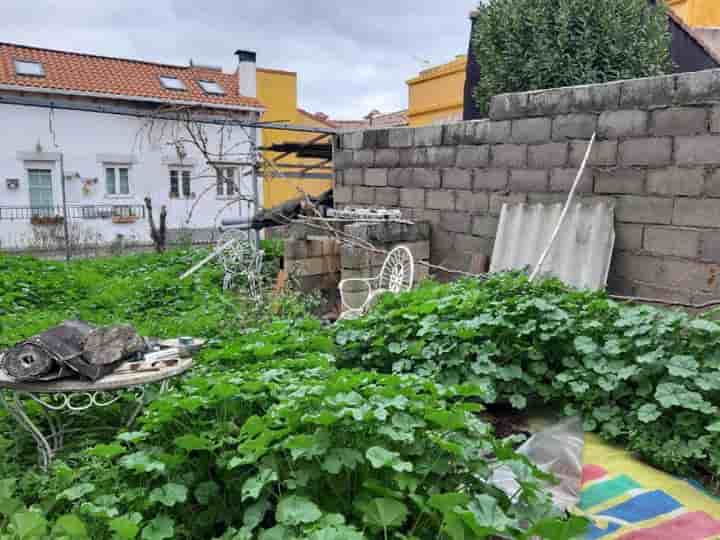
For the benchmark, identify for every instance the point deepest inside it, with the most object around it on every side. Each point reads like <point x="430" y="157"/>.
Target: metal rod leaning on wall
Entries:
<point x="66" y="225"/>
<point x="547" y="249"/>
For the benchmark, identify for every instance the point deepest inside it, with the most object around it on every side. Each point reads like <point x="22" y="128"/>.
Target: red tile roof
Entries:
<point x="118" y="77"/>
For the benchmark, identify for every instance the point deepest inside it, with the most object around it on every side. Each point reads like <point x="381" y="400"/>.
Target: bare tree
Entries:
<point x="158" y="235"/>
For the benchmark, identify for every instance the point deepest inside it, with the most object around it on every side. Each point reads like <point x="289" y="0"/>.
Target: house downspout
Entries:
<point x="66" y="225"/>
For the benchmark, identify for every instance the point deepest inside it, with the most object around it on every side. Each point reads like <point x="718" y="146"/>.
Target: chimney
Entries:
<point x="247" y="77"/>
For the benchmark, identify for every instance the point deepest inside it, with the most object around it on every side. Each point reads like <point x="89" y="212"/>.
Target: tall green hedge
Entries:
<point x="526" y="45"/>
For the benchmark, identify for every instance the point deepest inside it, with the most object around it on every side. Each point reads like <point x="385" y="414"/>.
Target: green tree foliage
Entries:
<point x="526" y="45"/>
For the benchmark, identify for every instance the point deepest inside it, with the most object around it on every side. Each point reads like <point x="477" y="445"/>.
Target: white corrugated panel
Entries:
<point x="581" y="254"/>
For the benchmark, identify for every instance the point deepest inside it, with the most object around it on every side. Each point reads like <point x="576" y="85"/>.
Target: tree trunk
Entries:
<point x="158" y="235"/>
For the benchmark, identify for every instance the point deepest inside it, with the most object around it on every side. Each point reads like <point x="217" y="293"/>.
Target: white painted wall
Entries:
<point x="87" y="140"/>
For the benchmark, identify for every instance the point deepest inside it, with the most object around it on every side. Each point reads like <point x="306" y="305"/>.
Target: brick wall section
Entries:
<point x="657" y="155"/>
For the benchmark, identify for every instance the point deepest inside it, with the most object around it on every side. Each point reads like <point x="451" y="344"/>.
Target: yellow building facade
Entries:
<point x="436" y="94"/>
<point x="277" y="90"/>
<point x="697" y="12"/>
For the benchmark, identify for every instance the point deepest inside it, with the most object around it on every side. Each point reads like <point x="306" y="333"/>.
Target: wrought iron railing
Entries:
<point x="103" y="211"/>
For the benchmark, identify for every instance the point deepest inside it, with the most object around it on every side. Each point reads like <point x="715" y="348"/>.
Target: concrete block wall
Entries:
<point x="657" y="156"/>
<point x="314" y="263"/>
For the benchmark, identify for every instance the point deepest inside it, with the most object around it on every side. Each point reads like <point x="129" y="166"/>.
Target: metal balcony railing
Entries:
<point x="103" y="211"/>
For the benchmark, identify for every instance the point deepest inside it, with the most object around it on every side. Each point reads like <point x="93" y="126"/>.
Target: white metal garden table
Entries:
<point x="61" y="398"/>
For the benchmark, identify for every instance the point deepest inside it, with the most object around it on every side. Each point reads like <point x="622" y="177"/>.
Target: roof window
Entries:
<point x="29" y="67"/>
<point x="172" y="83"/>
<point x="211" y="87"/>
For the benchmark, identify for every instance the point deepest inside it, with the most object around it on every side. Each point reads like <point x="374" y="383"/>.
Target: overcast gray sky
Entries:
<point x="350" y="56"/>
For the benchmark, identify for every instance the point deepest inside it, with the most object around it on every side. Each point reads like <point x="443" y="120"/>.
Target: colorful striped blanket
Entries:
<point x="628" y="500"/>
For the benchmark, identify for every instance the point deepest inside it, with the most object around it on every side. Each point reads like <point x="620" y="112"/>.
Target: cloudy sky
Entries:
<point x="350" y="56"/>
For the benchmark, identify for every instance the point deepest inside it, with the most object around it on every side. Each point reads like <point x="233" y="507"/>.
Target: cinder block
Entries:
<point x="506" y="106"/>
<point x="387" y="196"/>
<point x="363" y="158"/>
<point x="669" y="294"/>
<point x="469" y="157"/>
<point x="639" y="209"/>
<point x="676" y="181"/>
<point x="456" y="179"/>
<point x="619" y="180"/>
<point x="400" y="178"/>
<point x="459" y="222"/>
<point x="509" y="155"/>
<point x="315" y="266"/>
<point x="428" y="136"/>
<point x="697" y="212"/>
<point x="701" y="150"/>
<point x="647" y="93"/>
<point x="484" y="226"/>
<point x="551" y="102"/>
<point x="489" y="131"/>
<point x="665" y="272"/>
<point x="615" y="124"/>
<point x="715" y="119"/>
<point x="498" y="199"/>
<point x="352" y="141"/>
<point x="528" y="180"/>
<point x="471" y="202"/>
<point x="530" y="130"/>
<point x="363" y="195"/>
<point x="680" y="121"/>
<point x="697" y="87"/>
<point x="562" y="180"/>
<point x="342" y="159"/>
<point x="440" y="156"/>
<point x="573" y="126"/>
<point x="603" y="153"/>
<point x="420" y="250"/>
<point x="376" y="177"/>
<point x="547" y="198"/>
<point x="342" y="194"/>
<point x="353" y="177"/>
<point x="425" y="178"/>
<point x="400" y="137"/>
<point x="490" y="179"/>
<point x="387" y="157"/>
<point x="672" y="241"/>
<point x="405" y="157"/>
<point x="440" y="200"/>
<point x="712" y="183"/>
<point x="628" y="236"/>
<point x="295" y="249"/>
<point x="710" y="246"/>
<point x="654" y="151"/>
<point x="546" y="156"/>
<point x="413" y="198"/>
<point x="474" y="244"/>
<point x="419" y="155"/>
<point x="458" y="133"/>
<point x="429" y="216"/>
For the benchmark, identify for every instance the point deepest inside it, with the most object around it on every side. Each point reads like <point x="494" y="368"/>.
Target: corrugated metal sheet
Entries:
<point x="581" y="254"/>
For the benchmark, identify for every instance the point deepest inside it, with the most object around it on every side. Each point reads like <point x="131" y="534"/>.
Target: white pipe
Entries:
<point x="209" y="258"/>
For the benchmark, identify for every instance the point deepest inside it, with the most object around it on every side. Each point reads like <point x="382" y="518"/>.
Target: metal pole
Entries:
<point x="256" y="190"/>
<point x="66" y="225"/>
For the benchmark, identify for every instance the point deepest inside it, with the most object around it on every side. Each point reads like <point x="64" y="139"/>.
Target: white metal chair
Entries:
<point x="241" y="258"/>
<point x="397" y="275"/>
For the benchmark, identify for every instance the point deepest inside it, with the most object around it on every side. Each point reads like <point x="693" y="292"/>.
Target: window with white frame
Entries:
<point x="226" y="181"/>
<point x="41" y="191"/>
<point x="180" y="183"/>
<point x="117" y="180"/>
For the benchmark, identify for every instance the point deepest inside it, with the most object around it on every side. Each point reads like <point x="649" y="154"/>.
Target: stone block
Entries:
<point x="425" y="178"/>
<point x="710" y="246"/>
<point x="615" y="124"/>
<point x="668" y="294"/>
<point x="295" y="249"/>
<point x="672" y="241"/>
<point x="401" y="137"/>
<point x="440" y="156"/>
<point x="471" y="202"/>
<point x="458" y="133"/>
<point x="375" y="138"/>
<point x="546" y="156"/>
<point x="639" y="209"/>
<point x="420" y="250"/>
<point x="400" y="178"/>
<point x="489" y="131"/>
<point x="676" y="181"/>
<point x="363" y="158"/>
<point x="712" y="184"/>
<point x="352" y="141"/>
<point x="469" y="157"/>
<point x="547" y="198"/>
<point x="647" y="93"/>
<point x="342" y="194"/>
<point x="701" y="150"/>
<point x="628" y="236"/>
<point x="484" y="226"/>
<point x="509" y="155"/>
<point x="440" y="200"/>
<point x="459" y="222"/>
<point x="429" y="216"/>
<point x="363" y="195"/>
<point x="315" y="266"/>
<point x="456" y="179"/>
<point x="697" y="87"/>
<point x="679" y="121"/>
<point x="603" y="153"/>
<point x="412" y="198"/>
<point x="387" y="157"/>
<point x="353" y="177"/>
<point x="342" y="159"/>
<point x="528" y="180"/>
<point x="530" y="130"/>
<point x="715" y="119"/>
<point x="405" y="156"/>
<point x="474" y="244"/>
<point x="619" y="180"/>
<point x="562" y="180"/>
<point x="551" y="102"/>
<point x="498" y="199"/>
<point x="654" y="151"/>
<point x="574" y="126"/>
<point x="376" y="177"/>
<point x="428" y="136"/>
<point x="387" y="196"/>
<point x="507" y="106"/>
<point x="697" y="212"/>
<point x="490" y="179"/>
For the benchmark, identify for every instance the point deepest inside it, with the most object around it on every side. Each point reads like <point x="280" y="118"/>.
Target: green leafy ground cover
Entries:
<point x="267" y="437"/>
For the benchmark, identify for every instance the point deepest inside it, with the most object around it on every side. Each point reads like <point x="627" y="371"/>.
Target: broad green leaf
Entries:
<point x="705" y="325"/>
<point x="518" y="401"/>
<point x="380" y="457"/>
<point x="254" y="485"/>
<point x="585" y="345"/>
<point x="255" y="513"/>
<point x="205" y="491"/>
<point x="77" y="492"/>
<point x="70" y="525"/>
<point x="386" y="513"/>
<point x="682" y="366"/>
<point x="29" y="524"/>
<point x="169" y="494"/>
<point x="558" y="529"/>
<point x="485" y="516"/>
<point x="107" y="450"/>
<point x="132" y="436"/>
<point x="447" y="419"/>
<point x="649" y="413"/>
<point x="714" y="428"/>
<point x="193" y="443"/>
<point x="295" y="510"/>
<point x="124" y="528"/>
<point x="338" y="458"/>
<point x="446" y="502"/>
<point x="160" y="528"/>
<point x="142" y="462"/>
<point x="278" y="532"/>
<point x="7" y="487"/>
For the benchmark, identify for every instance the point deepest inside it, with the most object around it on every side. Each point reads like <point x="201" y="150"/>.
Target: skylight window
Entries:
<point x="172" y="83"/>
<point x="211" y="87"/>
<point x="28" y="67"/>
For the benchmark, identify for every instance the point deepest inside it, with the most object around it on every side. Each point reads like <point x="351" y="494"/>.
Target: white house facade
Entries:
<point x="85" y="139"/>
